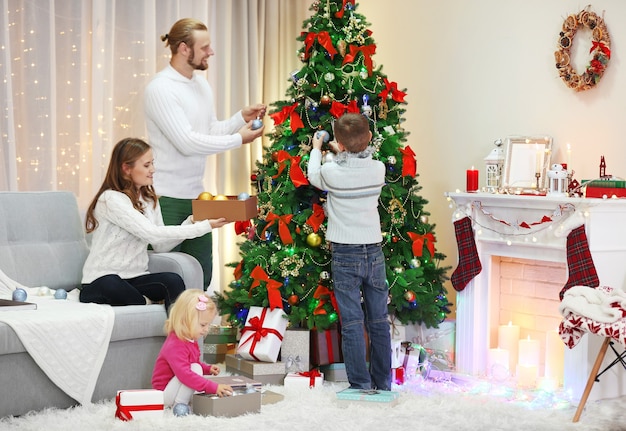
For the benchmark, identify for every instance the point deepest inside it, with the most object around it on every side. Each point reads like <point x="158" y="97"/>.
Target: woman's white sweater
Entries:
<point x="120" y="242"/>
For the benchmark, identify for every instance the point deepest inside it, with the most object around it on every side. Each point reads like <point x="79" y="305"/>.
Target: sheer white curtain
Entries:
<point x="72" y="74"/>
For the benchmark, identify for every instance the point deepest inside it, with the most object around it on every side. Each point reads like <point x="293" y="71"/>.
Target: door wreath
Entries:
<point x="600" y="50"/>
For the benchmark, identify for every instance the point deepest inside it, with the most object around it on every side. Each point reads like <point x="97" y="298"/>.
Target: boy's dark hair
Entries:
<point x="352" y="131"/>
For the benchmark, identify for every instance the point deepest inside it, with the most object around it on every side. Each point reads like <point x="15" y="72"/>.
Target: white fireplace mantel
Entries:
<point x="497" y="221"/>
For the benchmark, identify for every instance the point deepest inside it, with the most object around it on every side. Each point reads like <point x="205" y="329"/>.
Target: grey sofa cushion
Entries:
<point x="42" y="239"/>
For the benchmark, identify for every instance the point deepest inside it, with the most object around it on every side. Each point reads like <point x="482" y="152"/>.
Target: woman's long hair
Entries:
<point x="126" y="152"/>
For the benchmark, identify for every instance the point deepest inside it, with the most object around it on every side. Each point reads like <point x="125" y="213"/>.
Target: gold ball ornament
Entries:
<point x="205" y="196"/>
<point x="313" y="239"/>
<point x="220" y="198"/>
<point x="409" y="295"/>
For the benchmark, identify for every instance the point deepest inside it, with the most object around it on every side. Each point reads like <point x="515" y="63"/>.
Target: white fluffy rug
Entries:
<point x="423" y="405"/>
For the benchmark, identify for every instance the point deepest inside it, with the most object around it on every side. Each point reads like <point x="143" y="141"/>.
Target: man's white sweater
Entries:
<point x="120" y="242"/>
<point x="183" y="129"/>
<point x="353" y="188"/>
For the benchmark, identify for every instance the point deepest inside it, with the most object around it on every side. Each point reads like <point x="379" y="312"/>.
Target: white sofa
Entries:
<point x="42" y="243"/>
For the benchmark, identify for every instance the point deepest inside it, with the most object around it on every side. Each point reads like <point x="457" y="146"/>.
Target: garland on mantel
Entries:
<point x="515" y="228"/>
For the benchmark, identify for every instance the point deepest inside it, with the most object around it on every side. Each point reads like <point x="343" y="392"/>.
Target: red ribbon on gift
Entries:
<point x="316" y="219"/>
<point x="311" y="375"/>
<point x="283" y="229"/>
<point x="409" y="165"/>
<point x="418" y="243"/>
<point x="288" y="112"/>
<point x="295" y="173"/>
<point x="339" y="13"/>
<point x="337" y="109"/>
<point x="125" y="412"/>
<point x="367" y="51"/>
<point x="255" y="324"/>
<point x="392" y="87"/>
<point x="329" y="346"/>
<point x="323" y="37"/>
<point x="272" y="286"/>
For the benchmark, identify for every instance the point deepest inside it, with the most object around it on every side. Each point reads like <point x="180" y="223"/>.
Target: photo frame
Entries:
<point x="525" y="156"/>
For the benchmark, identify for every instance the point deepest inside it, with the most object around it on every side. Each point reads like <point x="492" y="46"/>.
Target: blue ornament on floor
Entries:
<point x="19" y="294"/>
<point x="60" y="294"/>
<point x="181" y="409"/>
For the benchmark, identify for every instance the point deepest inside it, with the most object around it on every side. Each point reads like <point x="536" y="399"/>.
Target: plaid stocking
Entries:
<point x="580" y="267"/>
<point x="469" y="263"/>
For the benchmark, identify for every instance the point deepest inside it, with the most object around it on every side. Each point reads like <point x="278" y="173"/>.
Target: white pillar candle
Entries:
<point x="526" y="376"/>
<point x="555" y="352"/>
<point x="508" y="339"/>
<point x="528" y="352"/>
<point x="497" y="362"/>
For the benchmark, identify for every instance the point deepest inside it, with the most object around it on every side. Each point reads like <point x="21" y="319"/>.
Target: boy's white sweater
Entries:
<point x="352" y="202"/>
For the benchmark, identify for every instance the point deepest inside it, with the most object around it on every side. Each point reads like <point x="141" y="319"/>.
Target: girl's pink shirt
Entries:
<point x="175" y="359"/>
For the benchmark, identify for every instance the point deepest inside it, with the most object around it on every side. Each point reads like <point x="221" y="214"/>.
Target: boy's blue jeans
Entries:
<point x="360" y="269"/>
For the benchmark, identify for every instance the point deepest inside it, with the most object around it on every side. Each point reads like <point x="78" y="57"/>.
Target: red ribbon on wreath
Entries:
<point x="600" y="47"/>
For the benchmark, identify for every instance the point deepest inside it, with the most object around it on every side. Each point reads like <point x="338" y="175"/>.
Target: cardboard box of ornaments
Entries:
<point x="233" y="208"/>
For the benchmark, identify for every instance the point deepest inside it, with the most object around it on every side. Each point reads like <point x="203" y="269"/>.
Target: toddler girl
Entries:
<point x="179" y="369"/>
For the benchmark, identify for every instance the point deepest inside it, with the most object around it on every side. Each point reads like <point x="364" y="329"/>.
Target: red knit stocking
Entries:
<point x="469" y="263"/>
<point x="580" y="267"/>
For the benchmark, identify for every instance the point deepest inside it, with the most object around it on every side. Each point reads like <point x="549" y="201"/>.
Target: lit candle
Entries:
<point x="569" y="157"/>
<point x="497" y="359"/>
<point x="537" y="158"/>
<point x="472" y="180"/>
<point x="526" y="376"/>
<point x="555" y="352"/>
<point x="508" y="339"/>
<point x="528" y="352"/>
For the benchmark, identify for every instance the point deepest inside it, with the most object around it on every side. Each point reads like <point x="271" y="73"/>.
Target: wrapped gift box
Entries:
<point x="304" y="380"/>
<point x="214" y="353"/>
<point x="326" y="346"/>
<point x="295" y="350"/>
<point x="334" y="372"/>
<point x="396" y="353"/>
<point x="387" y="398"/>
<point x="221" y="335"/>
<point x="397" y="329"/>
<point x="232" y="209"/>
<point x="240" y="403"/>
<point x="256" y="346"/>
<point x="138" y="403"/>
<point x="397" y="376"/>
<point x="414" y="360"/>
<point x="438" y="342"/>
<point x="272" y="373"/>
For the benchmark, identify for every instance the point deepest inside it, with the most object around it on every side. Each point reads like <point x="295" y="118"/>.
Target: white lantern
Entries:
<point x="494" y="163"/>
<point x="558" y="180"/>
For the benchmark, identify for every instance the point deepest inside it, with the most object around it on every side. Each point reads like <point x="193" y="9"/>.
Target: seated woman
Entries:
<point x="125" y="217"/>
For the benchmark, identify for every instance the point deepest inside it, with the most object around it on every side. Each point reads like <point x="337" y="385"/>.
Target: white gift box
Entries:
<point x="304" y="380"/>
<point x="262" y="334"/>
<point x="139" y="403"/>
<point x="397" y="356"/>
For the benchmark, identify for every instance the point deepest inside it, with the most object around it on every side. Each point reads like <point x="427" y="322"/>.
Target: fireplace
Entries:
<point x="531" y="229"/>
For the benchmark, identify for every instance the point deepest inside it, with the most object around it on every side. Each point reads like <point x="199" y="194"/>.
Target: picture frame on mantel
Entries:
<point x="525" y="156"/>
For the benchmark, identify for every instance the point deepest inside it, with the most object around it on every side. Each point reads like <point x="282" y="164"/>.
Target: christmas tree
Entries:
<point x="285" y="258"/>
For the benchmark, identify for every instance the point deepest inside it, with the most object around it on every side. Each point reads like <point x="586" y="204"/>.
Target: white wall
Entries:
<point x="476" y="71"/>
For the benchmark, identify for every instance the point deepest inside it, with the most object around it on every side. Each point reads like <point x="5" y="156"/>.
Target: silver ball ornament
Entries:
<point x="181" y="409"/>
<point x="424" y="219"/>
<point x="391" y="160"/>
<point x="324" y="135"/>
<point x="60" y="294"/>
<point x="19" y="294"/>
<point x="415" y="263"/>
<point x="243" y="196"/>
<point x="257" y="124"/>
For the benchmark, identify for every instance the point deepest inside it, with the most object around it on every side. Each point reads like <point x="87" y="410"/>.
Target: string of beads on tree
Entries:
<point x="600" y="50"/>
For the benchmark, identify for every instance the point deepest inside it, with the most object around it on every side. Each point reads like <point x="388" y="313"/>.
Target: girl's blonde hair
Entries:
<point x="184" y="314"/>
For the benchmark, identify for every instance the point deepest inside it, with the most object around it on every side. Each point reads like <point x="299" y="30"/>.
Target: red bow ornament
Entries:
<point x="323" y="37"/>
<point x="409" y="164"/>
<point x="324" y="291"/>
<point x="367" y="51"/>
<point x="273" y="287"/>
<point x="283" y="228"/>
<point x="288" y="112"/>
<point x="392" y="87"/>
<point x="337" y="109"/>
<point x="295" y="173"/>
<point x="419" y="241"/>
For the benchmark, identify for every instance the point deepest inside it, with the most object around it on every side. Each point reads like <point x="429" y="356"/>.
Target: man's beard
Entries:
<point x="190" y="60"/>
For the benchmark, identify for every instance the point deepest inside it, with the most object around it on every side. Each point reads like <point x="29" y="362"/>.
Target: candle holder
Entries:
<point x="537" y="177"/>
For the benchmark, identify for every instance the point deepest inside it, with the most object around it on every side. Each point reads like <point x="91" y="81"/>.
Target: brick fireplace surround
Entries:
<point x="504" y="246"/>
